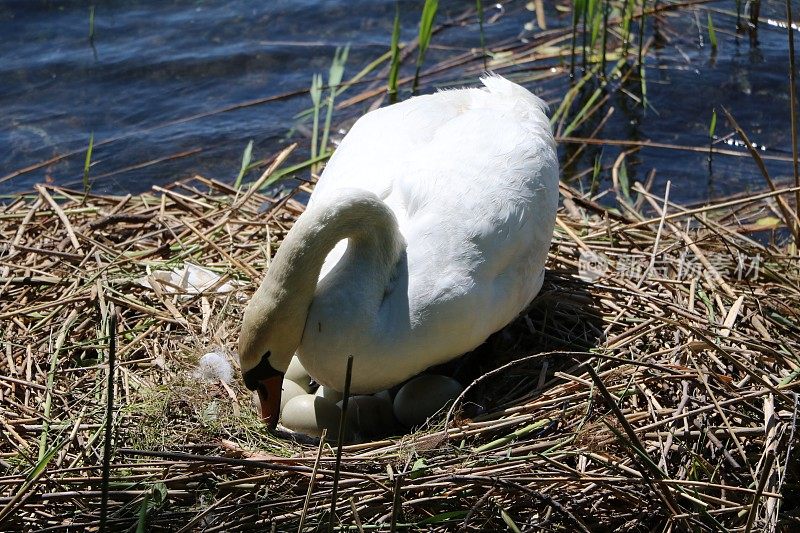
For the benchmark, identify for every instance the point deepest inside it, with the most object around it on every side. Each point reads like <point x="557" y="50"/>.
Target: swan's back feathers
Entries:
<point x="472" y="177"/>
<point x="371" y="154"/>
<point x="511" y="92"/>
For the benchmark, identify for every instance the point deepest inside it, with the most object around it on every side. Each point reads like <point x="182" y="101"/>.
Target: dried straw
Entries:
<point x="634" y="399"/>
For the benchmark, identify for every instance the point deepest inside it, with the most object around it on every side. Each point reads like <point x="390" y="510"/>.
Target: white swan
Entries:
<point x="427" y="232"/>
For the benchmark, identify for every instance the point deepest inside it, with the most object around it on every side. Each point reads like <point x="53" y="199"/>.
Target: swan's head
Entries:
<point x="267" y="341"/>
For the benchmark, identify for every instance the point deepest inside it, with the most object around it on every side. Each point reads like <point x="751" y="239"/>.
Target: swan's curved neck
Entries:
<point x="375" y="245"/>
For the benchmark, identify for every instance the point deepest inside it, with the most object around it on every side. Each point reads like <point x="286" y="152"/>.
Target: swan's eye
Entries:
<point x="262" y="370"/>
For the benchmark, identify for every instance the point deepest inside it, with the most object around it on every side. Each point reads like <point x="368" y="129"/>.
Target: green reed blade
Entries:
<point x="394" y="68"/>
<point x="86" y="164"/>
<point x="246" y="157"/>
<point x="425" y="33"/>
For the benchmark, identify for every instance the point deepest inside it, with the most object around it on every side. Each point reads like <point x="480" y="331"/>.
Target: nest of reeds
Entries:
<point x="651" y="385"/>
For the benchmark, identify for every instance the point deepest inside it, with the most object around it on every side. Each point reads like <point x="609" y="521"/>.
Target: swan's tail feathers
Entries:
<point x="499" y="86"/>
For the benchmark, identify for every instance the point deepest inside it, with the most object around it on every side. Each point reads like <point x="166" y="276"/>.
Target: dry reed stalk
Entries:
<point x="551" y="436"/>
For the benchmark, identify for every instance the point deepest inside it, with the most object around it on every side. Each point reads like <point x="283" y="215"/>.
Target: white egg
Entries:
<point x="329" y="394"/>
<point x="370" y="417"/>
<point x="387" y="408"/>
<point x="297" y="373"/>
<point x="310" y="414"/>
<point x="290" y="389"/>
<point x="423" y="396"/>
<point x="385" y="395"/>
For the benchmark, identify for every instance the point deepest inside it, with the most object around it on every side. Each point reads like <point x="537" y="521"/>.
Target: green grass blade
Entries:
<point x="596" y="20"/>
<point x="624" y="182"/>
<point x="316" y="89"/>
<point x="642" y="22"/>
<point x="316" y="98"/>
<point x="425" y="33"/>
<point x="713" y="126"/>
<point x="48" y="400"/>
<point x="111" y="359"/>
<point x="349" y="83"/>
<point x="738" y="14"/>
<point x="627" y="15"/>
<point x="509" y="521"/>
<point x="584" y="22"/>
<point x="712" y="35"/>
<point x="86" y="164"/>
<point x="364" y="71"/>
<point x="336" y="72"/>
<point x="597" y="167"/>
<point x="606" y="12"/>
<point x="335" y="75"/>
<point x="42" y="464"/>
<point x="502" y="441"/>
<point x="572" y="93"/>
<point x="395" y="50"/>
<point x="141" y="525"/>
<point x="585" y="109"/>
<point x="246" y="157"/>
<point x="577" y="9"/>
<point x="282" y="173"/>
<point x="37" y="470"/>
<point x="643" y="82"/>
<point x="442" y="518"/>
<point x="418" y="469"/>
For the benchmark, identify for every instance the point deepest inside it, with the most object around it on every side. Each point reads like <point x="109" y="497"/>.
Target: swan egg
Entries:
<point x="310" y="414"/>
<point x="297" y="373"/>
<point x="330" y="394"/>
<point x="290" y="389"/>
<point x="370" y="417"/>
<point x="384" y="395"/>
<point x="423" y="396"/>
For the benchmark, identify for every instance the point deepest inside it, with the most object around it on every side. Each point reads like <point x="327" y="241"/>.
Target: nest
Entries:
<point x="651" y="385"/>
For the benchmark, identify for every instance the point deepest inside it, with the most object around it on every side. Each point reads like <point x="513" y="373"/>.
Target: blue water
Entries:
<point x="151" y="66"/>
<point x="152" y="62"/>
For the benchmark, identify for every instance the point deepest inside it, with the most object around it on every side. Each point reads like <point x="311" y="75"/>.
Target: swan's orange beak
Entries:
<point x="269" y="395"/>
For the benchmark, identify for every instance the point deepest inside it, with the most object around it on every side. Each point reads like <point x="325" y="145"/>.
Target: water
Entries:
<point x="152" y="66"/>
<point x="153" y="62"/>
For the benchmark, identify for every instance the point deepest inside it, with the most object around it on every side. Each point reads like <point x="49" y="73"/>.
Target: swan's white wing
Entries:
<point x="480" y="201"/>
<point x="472" y="177"/>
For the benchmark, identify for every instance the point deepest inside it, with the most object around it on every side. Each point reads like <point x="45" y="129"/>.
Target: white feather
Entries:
<point x="472" y="177"/>
<point x="213" y="367"/>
